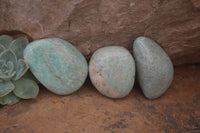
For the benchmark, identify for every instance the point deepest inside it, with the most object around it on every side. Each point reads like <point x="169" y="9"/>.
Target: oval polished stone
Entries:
<point x="112" y="71"/>
<point x="154" y="67"/>
<point x="57" y="64"/>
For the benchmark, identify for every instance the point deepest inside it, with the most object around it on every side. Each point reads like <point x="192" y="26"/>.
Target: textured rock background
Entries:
<point x="90" y="24"/>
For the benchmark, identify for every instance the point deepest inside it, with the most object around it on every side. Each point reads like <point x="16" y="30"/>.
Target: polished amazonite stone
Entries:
<point x="112" y="71"/>
<point x="154" y="67"/>
<point x="57" y="64"/>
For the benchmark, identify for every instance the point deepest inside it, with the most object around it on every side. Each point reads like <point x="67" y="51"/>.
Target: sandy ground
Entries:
<point x="177" y="111"/>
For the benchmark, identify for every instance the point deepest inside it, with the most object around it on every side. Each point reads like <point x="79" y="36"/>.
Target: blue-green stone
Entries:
<point x="112" y="71"/>
<point x="58" y="65"/>
<point x="154" y="67"/>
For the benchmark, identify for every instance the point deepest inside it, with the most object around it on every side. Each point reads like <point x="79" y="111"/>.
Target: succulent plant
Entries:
<point x="15" y="80"/>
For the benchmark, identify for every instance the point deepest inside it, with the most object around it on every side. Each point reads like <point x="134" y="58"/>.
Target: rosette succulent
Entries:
<point x="16" y="82"/>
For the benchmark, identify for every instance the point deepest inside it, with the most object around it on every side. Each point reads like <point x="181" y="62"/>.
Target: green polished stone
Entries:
<point x="57" y="64"/>
<point x="112" y="71"/>
<point x="154" y="67"/>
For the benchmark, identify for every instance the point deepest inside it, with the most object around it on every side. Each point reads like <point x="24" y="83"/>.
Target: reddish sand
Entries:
<point x="178" y="110"/>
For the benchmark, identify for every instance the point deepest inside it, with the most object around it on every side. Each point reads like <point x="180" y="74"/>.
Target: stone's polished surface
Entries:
<point x="57" y="65"/>
<point x="112" y="71"/>
<point x="154" y="67"/>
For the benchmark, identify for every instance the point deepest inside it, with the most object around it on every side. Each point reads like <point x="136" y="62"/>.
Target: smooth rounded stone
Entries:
<point x="154" y="67"/>
<point x="112" y="71"/>
<point x="57" y="64"/>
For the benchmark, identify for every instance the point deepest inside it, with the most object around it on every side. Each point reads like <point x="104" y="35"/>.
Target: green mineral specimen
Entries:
<point x="154" y="67"/>
<point x="58" y="65"/>
<point x="112" y="71"/>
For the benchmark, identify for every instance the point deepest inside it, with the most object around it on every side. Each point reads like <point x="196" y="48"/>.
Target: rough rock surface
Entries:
<point x="90" y="24"/>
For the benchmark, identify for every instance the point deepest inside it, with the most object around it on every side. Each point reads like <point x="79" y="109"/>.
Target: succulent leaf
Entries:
<point x="8" y="55"/>
<point x="7" y="65"/>
<point x="22" y="68"/>
<point x="2" y="48"/>
<point x="13" y="68"/>
<point x="5" y="40"/>
<point x="2" y="62"/>
<point x="7" y="77"/>
<point x="18" y="46"/>
<point x="6" y="69"/>
<point x="9" y="99"/>
<point x="10" y="67"/>
<point x="29" y="75"/>
<point x="6" y="87"/>
<point x="26" y="88"/>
